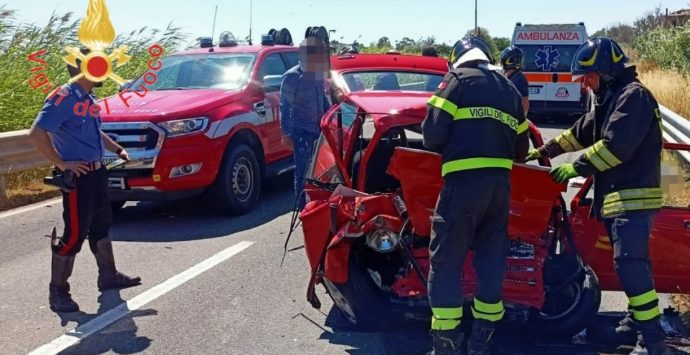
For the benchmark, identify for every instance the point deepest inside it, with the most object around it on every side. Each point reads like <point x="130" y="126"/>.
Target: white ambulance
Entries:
<point x="549" y="51"/>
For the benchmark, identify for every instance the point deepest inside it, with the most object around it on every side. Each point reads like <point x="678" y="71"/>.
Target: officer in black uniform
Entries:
<point x="622" y="135"/>
<point x="511" y="61"/>
<point x="477" y="121"/>
<point x="75" y="145"/>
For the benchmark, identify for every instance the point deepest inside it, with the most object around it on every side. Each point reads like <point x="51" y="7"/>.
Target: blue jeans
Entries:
<point x="303" y="146"/>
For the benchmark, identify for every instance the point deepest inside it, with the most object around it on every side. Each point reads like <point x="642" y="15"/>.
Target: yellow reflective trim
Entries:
<point x="646" y="315"/>
<point x="589" y="62"/>
<point x="643" y="299"/>
<point x="606" y="154"/>
<point x="633" y="194"/>
<point x="487" y="112"/>
<point x="564" y="143"/>
<point x="657" y="113"/>
<point x="488" y="307"/>
<point x="495" y="317"/>
<point x="572" y="140"/>
<point x="615" y="58"/>
<point x="631" y="205"/>
<point x="596" y="160"/>
<point x="447" y="313"/>
<point x="475" y="163"/>
<point x="446" y="318"/>
<point x="523" y="127"/>
<point x="443" y="104"/>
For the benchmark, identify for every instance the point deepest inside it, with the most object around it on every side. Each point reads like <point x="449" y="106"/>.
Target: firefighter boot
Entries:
<point x="59" y="297"/>
<point x="480" y="339"/>
<point x="651" y="341"/>
<point x="624" y="334"/>
<point x="108" y="276"/>
<point x="447" y="342"/>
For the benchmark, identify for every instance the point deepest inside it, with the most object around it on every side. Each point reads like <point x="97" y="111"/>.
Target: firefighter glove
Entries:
<point x="533" y="155"/>
<point x="563" y="172"/>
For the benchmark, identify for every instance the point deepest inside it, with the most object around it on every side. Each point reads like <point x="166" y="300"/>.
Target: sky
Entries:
<point x="361" y="20"/>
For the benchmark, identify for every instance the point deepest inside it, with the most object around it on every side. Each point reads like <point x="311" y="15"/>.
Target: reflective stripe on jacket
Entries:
<point x="477" y="121"/>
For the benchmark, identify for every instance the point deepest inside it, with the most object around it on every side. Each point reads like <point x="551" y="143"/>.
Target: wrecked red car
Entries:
<point x="372" y="188"/>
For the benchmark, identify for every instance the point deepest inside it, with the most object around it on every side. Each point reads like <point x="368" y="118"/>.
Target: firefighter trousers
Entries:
<point x="629" y="236"/>
<point x="472" y="212"/>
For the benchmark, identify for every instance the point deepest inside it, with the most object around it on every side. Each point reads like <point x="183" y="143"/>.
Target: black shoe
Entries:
<point x="624" y="334"/>
<point x="60" y="299"/>
<point x="479" y="342"/>
<point x="116" y="280"/>
<point x="447" y="342"/>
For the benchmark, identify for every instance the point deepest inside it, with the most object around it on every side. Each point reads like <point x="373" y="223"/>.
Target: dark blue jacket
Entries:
<point x="303" y="102"/>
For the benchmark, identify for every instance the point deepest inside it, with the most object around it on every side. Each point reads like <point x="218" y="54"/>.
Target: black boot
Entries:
<point x="447" y="342"/>
<point x="59" y="297"/>
<point x="652" y="339"/>
<point x="479" y="342"/>
<point x="108" y="276"/>
<point x="623" y="334"/>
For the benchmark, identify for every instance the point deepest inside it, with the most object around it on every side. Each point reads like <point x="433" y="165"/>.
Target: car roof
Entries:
<point x="360" y="62"/>
<point x="235" y="49"/>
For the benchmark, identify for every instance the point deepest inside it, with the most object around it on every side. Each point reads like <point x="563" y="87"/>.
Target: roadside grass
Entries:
<point x="27" y="187"/>
<point x="669" y="88"/>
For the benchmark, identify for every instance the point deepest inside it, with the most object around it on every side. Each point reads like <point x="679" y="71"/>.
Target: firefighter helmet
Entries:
<point x="511" y="58"/>
<point x="599" y="55"/>
<point x="465" y="45"/>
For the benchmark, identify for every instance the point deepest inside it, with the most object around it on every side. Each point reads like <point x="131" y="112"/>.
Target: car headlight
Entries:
<point x="383" y="240"/>
<point x="187" y="126"/>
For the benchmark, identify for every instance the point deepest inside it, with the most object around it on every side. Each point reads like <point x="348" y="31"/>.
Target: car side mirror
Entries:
<point x="272" y="83"/>
<point x="126" y="85"/>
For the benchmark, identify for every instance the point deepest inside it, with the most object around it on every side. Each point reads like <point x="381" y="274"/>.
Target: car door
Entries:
<point x="670" y="237"/>
<point x="272" y="69"/>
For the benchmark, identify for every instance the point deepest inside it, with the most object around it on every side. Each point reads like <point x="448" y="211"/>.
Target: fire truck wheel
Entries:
<point x="570" y="308"/>
<point x="238" y="184"/>
<point x="364" y="307"/>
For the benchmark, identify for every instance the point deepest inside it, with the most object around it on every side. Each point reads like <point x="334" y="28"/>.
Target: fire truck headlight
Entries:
<point x="182" y="127"/>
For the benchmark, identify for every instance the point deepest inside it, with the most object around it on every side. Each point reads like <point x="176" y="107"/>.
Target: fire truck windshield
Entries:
<point x="225" y="71"/>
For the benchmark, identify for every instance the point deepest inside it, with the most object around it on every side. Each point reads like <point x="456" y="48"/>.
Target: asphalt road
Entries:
<point x="211" y="285"/>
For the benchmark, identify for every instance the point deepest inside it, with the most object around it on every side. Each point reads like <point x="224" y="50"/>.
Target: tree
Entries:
<point x="484" y="35"/>
<point x="406" y="44"/>
<point x="384" y="42"/>
<point x="502" y="43"/>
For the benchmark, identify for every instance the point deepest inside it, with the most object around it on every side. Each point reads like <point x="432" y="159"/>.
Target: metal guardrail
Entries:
<point x="17" y="153"/>
<point x="676" y="130"/>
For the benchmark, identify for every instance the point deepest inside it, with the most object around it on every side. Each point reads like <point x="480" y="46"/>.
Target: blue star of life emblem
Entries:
<point x="547" y="58"/>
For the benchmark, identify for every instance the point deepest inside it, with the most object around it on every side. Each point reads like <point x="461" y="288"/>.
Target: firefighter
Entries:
<point x="623" y="142"/>
<point x="477" y="122"/>
<point x="511" y="61"/>
<point x="74" y="142"/>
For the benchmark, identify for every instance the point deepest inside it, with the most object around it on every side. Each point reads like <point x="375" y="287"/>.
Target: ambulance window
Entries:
<point x="548" y="58"/>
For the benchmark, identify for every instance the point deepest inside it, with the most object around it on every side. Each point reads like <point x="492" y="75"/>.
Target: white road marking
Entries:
<point x="28" y="208"/>
<point x="74" y="336"/>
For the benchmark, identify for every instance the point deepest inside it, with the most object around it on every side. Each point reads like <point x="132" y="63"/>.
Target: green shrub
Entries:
<point x="667" y="47"/>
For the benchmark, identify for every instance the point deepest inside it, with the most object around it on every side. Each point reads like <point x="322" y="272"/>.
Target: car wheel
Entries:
<point x="359" y="300"/>
<point x="238" y="184"/>
<point x="570" y="308"/>
<point x="116" y="206"/>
